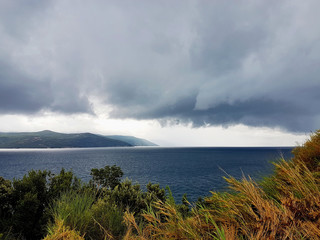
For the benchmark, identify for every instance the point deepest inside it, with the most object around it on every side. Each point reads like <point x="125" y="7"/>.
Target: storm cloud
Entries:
<point x="200" y="62"/>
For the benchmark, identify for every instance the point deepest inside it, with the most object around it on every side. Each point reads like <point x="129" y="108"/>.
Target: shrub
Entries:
<point x="92" y="219"/>
<point x="62" y="182"/>
<point x="107" y="177"/>
<point x="24" y="202"/>
<point x="29" y="200"/>
<point x="107" y="220"/>
<point x="74" y="209"/>
<point x="309" y="152"/>
<point x="5" y="204"/>
<point x="128" y="196"/>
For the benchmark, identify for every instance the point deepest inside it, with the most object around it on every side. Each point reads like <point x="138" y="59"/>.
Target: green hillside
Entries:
<point x="49" y="139"/>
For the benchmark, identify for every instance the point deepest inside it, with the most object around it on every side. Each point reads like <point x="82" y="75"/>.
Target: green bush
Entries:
<point x="24" y="202"/>
<point x="64" y="181"/>
<point x="128" y="196"/>
<point x="74" y="209"/>
<point x="5" y="203"/>
<point x="107" y="220"/>
<point x="107" y="177"/>
<point x="29" y="201"/>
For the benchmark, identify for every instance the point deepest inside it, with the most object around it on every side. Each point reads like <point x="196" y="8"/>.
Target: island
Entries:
<point x="50" y="139"/>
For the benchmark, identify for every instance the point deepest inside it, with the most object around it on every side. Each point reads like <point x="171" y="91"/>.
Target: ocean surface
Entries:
<point x="192" y="170"/>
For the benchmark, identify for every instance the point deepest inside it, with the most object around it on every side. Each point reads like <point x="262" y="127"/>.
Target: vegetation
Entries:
<point x="107" y="177"/>
<point x="62" y="207"/>
<point x="285" y="205"/>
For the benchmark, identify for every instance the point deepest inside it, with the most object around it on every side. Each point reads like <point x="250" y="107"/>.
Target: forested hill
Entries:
<point x="49" y="139"/>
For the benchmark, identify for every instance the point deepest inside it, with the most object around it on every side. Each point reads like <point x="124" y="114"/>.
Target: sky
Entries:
<point x="178" y="73"/>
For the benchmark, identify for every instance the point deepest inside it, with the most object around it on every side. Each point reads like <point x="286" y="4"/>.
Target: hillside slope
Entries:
<point x="133" y="140"/>
<point x="49" y="139"/>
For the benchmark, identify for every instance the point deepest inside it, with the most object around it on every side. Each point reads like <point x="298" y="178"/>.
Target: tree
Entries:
<point x="63" y="182"/>
<point x="24" y="202"/>
<point x="5" y="203"/>
<point x="29" y="200"/>
<point x="108" y="177"/>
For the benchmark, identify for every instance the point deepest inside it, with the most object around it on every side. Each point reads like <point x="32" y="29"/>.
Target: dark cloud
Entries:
<point x="20" y="94"/>
<point x="199" y="62"/>
<point x="18" y="17"/>
<point x="226" y="35"/>
<point x="29" y="81"/>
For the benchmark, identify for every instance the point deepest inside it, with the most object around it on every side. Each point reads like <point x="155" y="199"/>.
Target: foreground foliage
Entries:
<point x="62" y="207"/>
<point x="285" y="205"/>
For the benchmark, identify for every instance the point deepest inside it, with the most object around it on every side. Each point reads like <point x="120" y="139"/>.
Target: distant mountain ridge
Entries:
<point x="50" y="139"/>
<point x="132" y="140"/>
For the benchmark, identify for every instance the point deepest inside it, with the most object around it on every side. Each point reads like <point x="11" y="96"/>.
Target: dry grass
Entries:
<point x="309" y="152"/>
<point x="292" y="211"/>
<point x="62" y="232"/>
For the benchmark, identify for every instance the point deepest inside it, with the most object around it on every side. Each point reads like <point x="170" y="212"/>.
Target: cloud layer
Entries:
<point x="199" y="62"/>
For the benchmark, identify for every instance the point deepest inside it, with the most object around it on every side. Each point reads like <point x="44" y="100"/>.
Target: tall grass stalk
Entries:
<point x="73" y="208"/>
<point x="62" y="232"/>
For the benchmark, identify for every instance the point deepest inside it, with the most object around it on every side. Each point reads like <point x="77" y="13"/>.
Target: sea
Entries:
<point x="192" y="170"/>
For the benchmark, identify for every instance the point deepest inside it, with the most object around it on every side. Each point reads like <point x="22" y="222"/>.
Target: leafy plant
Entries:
<point x="74" y="209"/>
<point x="62" y="182"/>
<point x="29" y="201"/>
<point x="107" y="177"/>
<point x="107" y="220"/>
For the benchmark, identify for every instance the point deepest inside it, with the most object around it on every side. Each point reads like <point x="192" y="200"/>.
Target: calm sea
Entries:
<point x="194" y="171"/>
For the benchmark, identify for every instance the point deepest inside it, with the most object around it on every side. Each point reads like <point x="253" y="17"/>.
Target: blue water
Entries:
<point x="194" y="171"/>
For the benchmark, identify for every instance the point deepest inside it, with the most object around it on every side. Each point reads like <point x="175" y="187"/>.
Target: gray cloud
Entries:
<point x="29" y="80"/>
<point x="199" y="62"/>
<point x="18" y="93"/>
